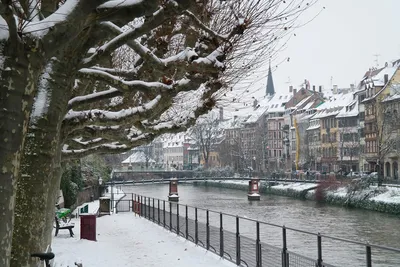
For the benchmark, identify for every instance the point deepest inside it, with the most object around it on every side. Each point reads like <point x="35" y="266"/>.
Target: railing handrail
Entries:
<point x="152" y="180"/>
<point x="281" y="226"/>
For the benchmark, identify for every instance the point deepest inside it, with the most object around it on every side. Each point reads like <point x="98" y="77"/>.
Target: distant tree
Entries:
<point x="386" y="129"/>
<point x="232" y="153"/>
<point x="207" y="133"/>
<point x="71" y="182"/>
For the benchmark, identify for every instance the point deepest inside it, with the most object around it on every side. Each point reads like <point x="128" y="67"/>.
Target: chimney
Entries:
<point x="320" y="89"/>
<point x="255" y="102"/>
<point x="385" y="78"/>
<point x="221" y="113"/>
<point x="335" y="89"/>
<point x="313" y="88"/>
<point x="294" y="91"/>
<point x="290" y="88"/>
<point x="352" y="87"/>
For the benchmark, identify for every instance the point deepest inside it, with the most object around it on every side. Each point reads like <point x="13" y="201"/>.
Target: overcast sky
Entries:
<point x="340" y="43"/>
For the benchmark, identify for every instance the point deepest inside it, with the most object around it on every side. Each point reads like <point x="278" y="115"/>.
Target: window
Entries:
<point x="274" y="153"/>
<point x="270" y="135"/>
<point x="280" y="153"/>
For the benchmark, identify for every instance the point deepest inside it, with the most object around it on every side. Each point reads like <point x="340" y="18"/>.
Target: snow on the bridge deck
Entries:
<point x="294" y="186"/>
<point x="126" y="240"/>
<point x="234" y="182"/>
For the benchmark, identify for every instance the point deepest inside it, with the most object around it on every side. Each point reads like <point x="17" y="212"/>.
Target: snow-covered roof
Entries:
<point x="394" y="93"/>
<point x="306" y="117"/>
<point x="334" y="105"/>
<point x="174" y="140"/>
<point x="379" y="79"/>
<point x="308" y="105"/>
<point x="235" y="123"/>
<point x="138" y="157"/>
<point x="351" y="110"/>
<point x="314" y="127"/>
<point x="392" y="98"/>
<point x="261" y="107"/>
<point x="278" y="101"/>
<point x="302" y="102"/>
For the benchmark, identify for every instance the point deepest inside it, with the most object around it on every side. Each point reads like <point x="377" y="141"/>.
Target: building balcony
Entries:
<point x="329" y="159"/>
<point x="370" y="118"/>
<point x="371" y="157"/>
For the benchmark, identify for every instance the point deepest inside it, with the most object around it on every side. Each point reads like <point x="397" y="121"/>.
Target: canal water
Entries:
<point x="359" y="225"/>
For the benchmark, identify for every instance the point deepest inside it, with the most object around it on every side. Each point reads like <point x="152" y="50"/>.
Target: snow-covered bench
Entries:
<point x="62" y="226"/>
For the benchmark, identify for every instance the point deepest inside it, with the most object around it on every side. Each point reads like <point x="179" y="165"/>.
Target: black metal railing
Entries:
<point x="252" y="243"/>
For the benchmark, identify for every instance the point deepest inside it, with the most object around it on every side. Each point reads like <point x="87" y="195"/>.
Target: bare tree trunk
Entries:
<point x="17" y="88"/>
<point x="41" y="175"/>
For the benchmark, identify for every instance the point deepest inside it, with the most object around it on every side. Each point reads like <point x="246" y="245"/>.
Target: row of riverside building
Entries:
<point x="307" y="128"/>
<point x="350" y="129"/>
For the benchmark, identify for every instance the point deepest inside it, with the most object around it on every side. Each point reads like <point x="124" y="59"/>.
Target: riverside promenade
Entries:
<point x="125" y="240"/>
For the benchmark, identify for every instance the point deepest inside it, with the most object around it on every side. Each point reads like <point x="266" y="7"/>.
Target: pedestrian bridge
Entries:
<point x="139" y="180"/>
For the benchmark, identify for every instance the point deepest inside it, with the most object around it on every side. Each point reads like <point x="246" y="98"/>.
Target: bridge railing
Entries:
<point x="253" y="243"/>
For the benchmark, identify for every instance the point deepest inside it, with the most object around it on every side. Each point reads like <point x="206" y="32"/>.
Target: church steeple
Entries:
<point x="270" y="90"/>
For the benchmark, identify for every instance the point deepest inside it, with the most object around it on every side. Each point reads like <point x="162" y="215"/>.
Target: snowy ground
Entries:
<point x="386" y="194"/>
<point x="392" y="195"/>
<point x="94" y="205"/>
<point x="379" y="194"/>
<point x="126" y="240"/>
<point x="294" y="186"/>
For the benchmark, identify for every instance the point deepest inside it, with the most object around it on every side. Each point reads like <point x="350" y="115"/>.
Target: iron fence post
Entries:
<point x="164" y="213"/>
<point x="170" y="216"/>
<point x="285" y="262"/>
<point x="238" y="260"/>
<point x="154" y="217"/>
<point x="149" y="206"/>
<point x="133" y="203"/>
<point x="319" y="238"/>
<point x="258" y="244"/>
<point x="158" y="211"/>
<point x="141" y="206"/>
<point x="145" y="206"/>
<point x="369" y="255"/>
<point x="138" y="205"/>
<point x="196" y="227"/>
<point x="177" y="219"/>
<point x="186" y="221"/>
<point x="208" y="230"/>
<point x="221" y="236"/>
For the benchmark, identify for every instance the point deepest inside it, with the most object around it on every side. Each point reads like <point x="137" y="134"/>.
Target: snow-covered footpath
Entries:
<point x="124" y="239"/>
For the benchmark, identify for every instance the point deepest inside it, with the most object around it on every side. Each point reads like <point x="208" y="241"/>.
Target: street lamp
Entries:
<point x="254" y="164"/>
